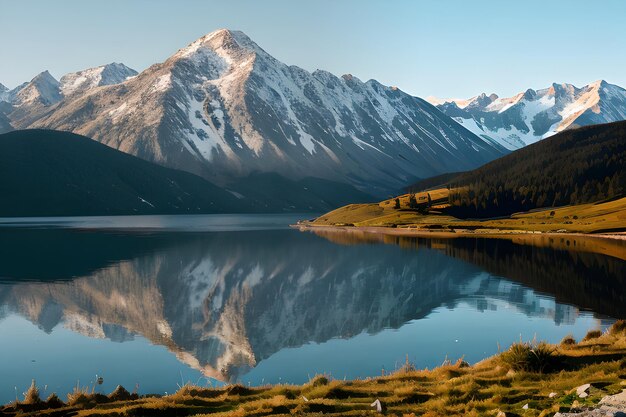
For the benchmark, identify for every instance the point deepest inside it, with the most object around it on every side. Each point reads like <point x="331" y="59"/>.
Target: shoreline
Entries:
<point x="488" y="233"/>
<point x="608" y="244"/>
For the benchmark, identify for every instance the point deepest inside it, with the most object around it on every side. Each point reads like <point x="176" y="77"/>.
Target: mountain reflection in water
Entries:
<point x="224" y="301"/>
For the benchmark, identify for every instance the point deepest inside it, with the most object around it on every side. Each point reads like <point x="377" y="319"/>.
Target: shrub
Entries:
<point x="79" y="397"/>
<point x="407" y="366"/>
<point x="529" y="356"/>
<point x="31" y="396"/>
<point x="619" y="327"/>
<point x="462" y="363"/>
<point x="568" y="340"/>
<point x="592" y="334"/>
<point x="193" y="390"/>
<point x="318" y="381"/>
<point x="120" y="394"/>
<point x="54" y="401"/>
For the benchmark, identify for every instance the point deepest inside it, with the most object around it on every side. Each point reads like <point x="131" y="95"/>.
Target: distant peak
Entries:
<point x="349" y="78"/>
<point x="83" y="80"/>
<point x="530" y="94"/>
<point x="118" y="65"/>
<point x="557" y="88"/>
<point x="483" y="100"/>
<point x="44" y="74"/>
<point x="44" y="77"/>
<point x="599" y="83"/>
<point x="119" y="68"/>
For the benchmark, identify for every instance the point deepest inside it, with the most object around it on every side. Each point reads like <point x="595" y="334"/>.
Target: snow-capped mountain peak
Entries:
<point x="223" y="108"/>
<point x="232" y="47"/>
<point x="81" y="81"/>
<point x="482" y="100"/>
<point x="536" y="114"/>
<point x="43" y="89"/>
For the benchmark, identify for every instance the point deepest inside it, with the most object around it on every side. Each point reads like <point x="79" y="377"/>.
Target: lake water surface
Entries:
<point x="154" y="302"/>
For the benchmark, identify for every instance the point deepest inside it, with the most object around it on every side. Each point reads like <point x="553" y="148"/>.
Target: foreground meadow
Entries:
<point x="528" y="378"/>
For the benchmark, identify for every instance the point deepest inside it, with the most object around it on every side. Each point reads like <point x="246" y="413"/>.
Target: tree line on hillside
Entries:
<point x="579" y="166"/>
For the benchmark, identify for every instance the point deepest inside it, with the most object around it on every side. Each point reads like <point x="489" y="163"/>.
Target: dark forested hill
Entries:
<point x="576" y="166"/>
<point x="50" y="173"/>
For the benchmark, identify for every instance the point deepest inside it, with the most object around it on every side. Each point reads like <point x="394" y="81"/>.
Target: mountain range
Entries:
<point x="532" y="115"/>
<point x="224" y="108"/>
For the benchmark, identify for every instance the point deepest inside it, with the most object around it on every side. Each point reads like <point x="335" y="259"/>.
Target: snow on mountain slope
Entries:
<point x="43" y="89"/>
<point x="222" y="107"/>
<point x="30" y="101"/>
<point x="4" y="93"/>
<point x="530" y="116"/>
<point x="460" y="102"/>
<point x="81" y="81"/>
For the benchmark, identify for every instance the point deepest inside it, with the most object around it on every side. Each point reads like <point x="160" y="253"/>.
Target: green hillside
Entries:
<point x="577" y="166"/>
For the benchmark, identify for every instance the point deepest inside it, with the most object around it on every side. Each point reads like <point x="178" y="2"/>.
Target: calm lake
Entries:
<point x="154" y="302"/>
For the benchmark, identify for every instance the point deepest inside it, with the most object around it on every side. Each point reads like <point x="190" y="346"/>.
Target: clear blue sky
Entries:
<point x="435" y="47"/>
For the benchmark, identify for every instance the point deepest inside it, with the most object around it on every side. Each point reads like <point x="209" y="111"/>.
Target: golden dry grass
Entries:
<point x="493" y="385"/>
<point x="585" y="218"/>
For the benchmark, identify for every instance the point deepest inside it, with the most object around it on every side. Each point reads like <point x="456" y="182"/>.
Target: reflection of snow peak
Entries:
<point x="485" y="292"/>
<point x="222" y="302"/>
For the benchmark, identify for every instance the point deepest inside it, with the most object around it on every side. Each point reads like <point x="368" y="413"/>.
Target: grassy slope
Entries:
<point x="502" y="382"/>
<point x="591" y="218"/>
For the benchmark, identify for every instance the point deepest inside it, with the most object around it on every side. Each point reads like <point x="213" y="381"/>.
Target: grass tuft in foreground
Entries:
<point x="31" y="396"/>
<point x="530" y="357"/>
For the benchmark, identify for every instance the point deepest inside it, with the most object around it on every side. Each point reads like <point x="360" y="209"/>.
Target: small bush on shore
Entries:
<point x="120" y="394"/>
<point x="568" y="340"/>
<point x="618" y="328"/>
<point x="54" y="401"/>
<point x="529" y="357"/>
<point x="79" y="396"/>
<point x="319" y="380"/>
<point x="592" y="334"/>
